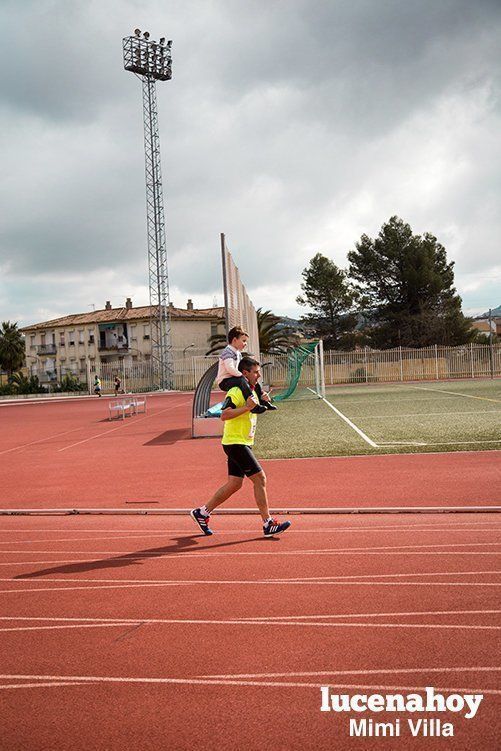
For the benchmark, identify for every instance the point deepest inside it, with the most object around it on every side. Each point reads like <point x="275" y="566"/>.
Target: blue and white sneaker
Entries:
<point x="273" y="527"/>
<point x="201" y="520"/>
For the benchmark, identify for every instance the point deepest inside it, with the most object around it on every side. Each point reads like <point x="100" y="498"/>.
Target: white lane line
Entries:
<point x="145" y="558"/>
<point x="41" y="440"/>
<point x="191" y="551"/>
<point x="350" y="423"/>
<point x="294" y="582"/>
<point x="112" y="430"/>
<point x="380" y="671"/>
<point x="312" y="579"/>
<point x="257" y="618"/>
<point x="65" y="626"/>
<point x="51" y="684"/>
<point x="301" y="624"/>
<point x="457" y="393"/>
<point x="457" y="527"/>
<point x="320" y="616"/>
<point x="222" y="682"/>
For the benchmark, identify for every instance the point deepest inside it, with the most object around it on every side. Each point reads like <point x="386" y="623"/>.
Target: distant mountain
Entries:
<point x="495" y="312"/>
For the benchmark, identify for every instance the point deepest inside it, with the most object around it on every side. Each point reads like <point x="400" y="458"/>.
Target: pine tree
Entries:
<point x="408" y="288"/>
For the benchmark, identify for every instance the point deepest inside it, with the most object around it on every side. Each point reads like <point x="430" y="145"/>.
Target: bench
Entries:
<point x="121" y="408"/>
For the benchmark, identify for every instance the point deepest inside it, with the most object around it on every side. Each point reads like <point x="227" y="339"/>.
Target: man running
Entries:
<point x="238" y="438"/>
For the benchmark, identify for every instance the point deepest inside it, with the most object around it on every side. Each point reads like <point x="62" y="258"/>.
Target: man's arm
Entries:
<point x="230" y="413"/>
<point x="230" y="410"/>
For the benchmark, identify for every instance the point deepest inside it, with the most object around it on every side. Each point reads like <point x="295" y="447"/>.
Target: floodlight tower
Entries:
<point x="151" y="61"/>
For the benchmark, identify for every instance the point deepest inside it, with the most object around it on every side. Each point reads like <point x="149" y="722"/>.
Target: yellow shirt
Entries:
<point x="240" y="429"/>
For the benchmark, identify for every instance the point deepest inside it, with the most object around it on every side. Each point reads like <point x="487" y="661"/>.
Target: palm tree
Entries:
<point x="12" y="350"/>
<point x="273" y="338"/>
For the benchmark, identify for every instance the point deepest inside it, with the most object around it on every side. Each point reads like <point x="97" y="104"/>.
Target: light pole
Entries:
<point x="151" y="61"/>
<point x="188" y="347"/>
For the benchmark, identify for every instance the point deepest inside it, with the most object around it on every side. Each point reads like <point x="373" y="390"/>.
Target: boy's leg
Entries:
<point x="242" y="383"/>
<point x="264" y="399"/>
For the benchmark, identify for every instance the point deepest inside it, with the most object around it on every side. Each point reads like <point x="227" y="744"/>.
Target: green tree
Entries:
<point x="12" y="350"/>
<point x="407" y="286"/>
<point x="327" y="292"/>
<point x="273" y="337"/>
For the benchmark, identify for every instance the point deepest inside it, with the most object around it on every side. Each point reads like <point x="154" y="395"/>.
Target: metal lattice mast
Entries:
<point x="151" y="61"/>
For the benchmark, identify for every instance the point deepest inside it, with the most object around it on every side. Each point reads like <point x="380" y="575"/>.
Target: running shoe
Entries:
<point x="273" y="527"/>
<point x="201" y="520"/>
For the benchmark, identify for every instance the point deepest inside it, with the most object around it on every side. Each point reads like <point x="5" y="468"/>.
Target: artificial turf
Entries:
<point x="399" y="418"/>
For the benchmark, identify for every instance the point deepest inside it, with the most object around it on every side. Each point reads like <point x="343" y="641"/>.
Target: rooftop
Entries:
<point x="127" y="313"/>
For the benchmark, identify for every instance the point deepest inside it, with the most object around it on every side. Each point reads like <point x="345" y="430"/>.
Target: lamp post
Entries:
<point x="188" y="347"/>
<point x="151" y="61"/>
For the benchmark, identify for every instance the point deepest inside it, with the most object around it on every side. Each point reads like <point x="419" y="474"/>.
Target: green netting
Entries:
<point x="295" y="360"/>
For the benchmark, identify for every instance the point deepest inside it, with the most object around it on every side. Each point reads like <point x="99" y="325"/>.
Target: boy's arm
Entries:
<point x="230" y="368"/>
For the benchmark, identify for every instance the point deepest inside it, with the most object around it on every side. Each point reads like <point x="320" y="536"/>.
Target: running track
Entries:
<point x="67" y="454"/>
<point x="136" y="633"/>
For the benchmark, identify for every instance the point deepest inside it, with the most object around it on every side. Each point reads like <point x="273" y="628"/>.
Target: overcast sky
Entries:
<point x="293" y="126"/>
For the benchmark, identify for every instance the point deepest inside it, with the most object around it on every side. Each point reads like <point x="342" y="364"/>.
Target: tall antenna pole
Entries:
<point x="151" y="62"/>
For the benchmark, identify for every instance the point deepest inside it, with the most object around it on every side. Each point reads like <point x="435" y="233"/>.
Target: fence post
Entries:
<point x="89" y="384"/>
<point x="366" y="364"/>
<point x="401" y="364"/>
<point x="436" y="361"/>
<point x="471" y="358"/>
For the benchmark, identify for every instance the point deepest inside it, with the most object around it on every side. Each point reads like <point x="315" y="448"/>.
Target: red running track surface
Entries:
<point x="68" y="454"/>
<point x="137" y="633"/>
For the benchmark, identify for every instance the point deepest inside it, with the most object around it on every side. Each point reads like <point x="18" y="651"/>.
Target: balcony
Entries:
<point x="46" y="349"/>
<point x="122" y="348"/>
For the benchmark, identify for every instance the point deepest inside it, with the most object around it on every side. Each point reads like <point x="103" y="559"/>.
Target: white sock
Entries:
<point x="204" y="511"/>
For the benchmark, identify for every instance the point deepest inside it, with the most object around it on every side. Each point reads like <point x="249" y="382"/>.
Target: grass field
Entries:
<point x="384" y="419"/>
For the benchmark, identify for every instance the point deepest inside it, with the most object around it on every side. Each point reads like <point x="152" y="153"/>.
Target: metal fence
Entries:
<point x="363" y="366"/>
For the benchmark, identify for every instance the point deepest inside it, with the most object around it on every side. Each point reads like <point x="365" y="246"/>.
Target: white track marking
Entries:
<point x="112" y="430"/>
<point x="321" y="617"/>
<point x="222" y="682"/>
<point x="380" y="671"/>
<point x="66" y="626"/>
<point x="312" y="579"/>
<point x="297" y="623"/>
<point x="292" y="582"/>
<point x="350" y="423"/>
<point x="144" y="558"/>
<point x="119" y="554"/>
<point x="41" y="440"/>
<point x="51" y="684"/>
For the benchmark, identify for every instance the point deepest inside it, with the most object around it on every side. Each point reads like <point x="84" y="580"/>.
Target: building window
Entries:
<point x="81" y="336"/>
<point x="72" y="338"/>
<point x="61" y="339"/>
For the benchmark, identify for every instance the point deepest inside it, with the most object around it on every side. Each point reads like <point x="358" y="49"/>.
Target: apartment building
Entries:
<point x="80" y="342"/>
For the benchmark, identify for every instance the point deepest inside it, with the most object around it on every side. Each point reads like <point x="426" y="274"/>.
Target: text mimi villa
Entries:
<point x="429" y="701"/>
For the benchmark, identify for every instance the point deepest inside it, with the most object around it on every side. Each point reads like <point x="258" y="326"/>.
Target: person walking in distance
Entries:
<point x="238" y="438"/>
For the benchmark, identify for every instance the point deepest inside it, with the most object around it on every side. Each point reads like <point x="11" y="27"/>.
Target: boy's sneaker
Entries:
<point x="269" y="405"/>
<point x="258" y="409"/>
<point x="201" y="520"/>
<point x="273" y="527"/>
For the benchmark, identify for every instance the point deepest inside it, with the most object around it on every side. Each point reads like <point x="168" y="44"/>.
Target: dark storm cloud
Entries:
<point x="291" y="126"/>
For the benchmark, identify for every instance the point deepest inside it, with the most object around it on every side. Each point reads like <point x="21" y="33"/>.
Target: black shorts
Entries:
<point x="241" y="460"/>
